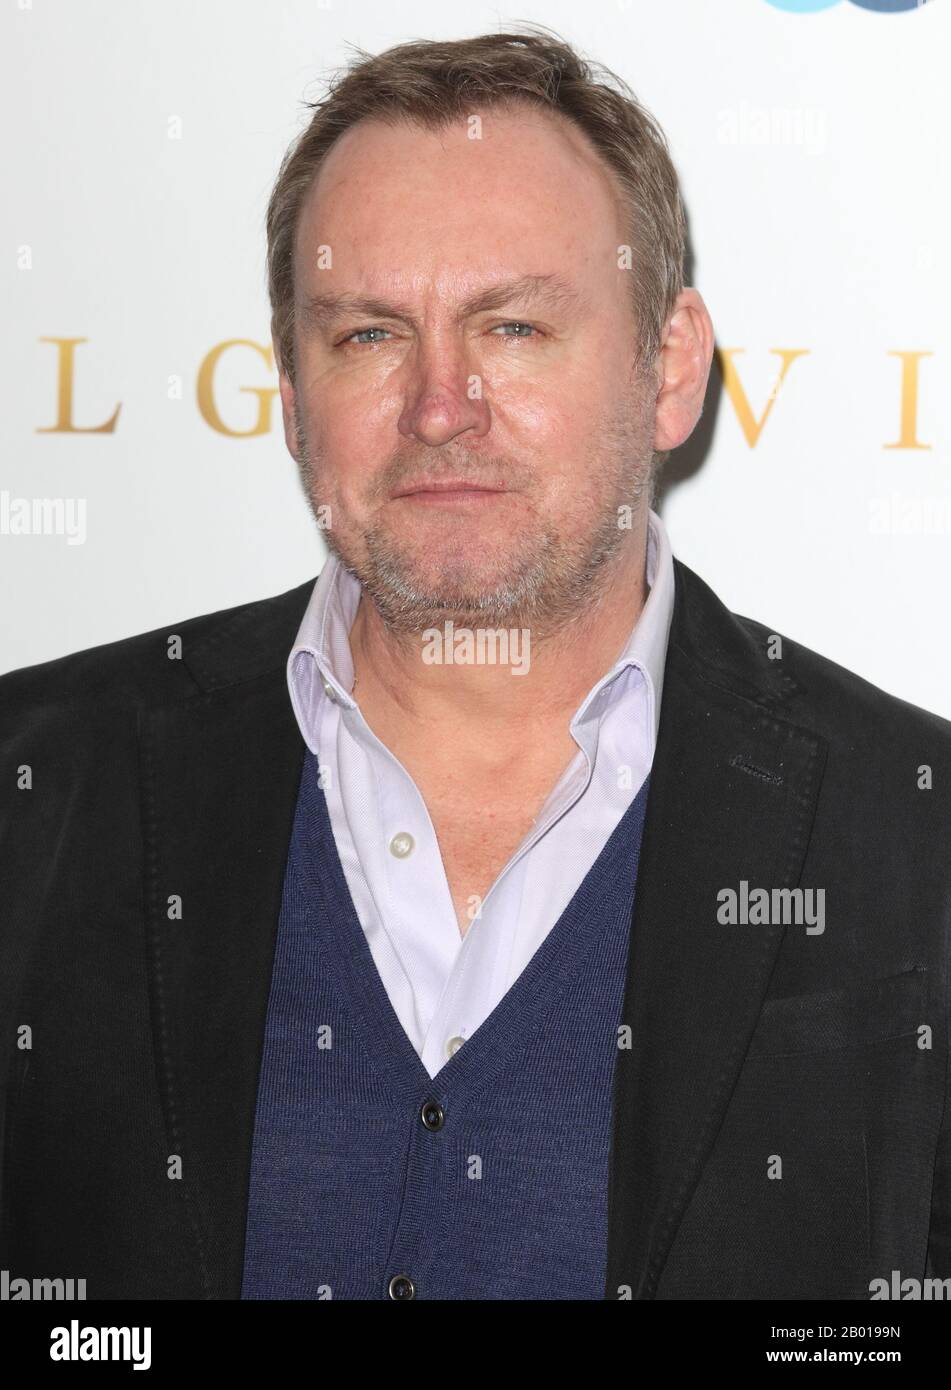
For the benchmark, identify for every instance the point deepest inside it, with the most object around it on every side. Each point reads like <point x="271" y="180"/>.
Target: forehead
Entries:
<point x="400" y="202"/>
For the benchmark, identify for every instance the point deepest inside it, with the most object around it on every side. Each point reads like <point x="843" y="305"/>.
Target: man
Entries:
<point x="498" y="916"/>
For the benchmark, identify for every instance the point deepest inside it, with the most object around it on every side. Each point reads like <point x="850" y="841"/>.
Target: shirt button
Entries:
<point x="453" y="1046"/>
<point x="331" y="693"/>
<point x="402" y="845"/>
<point x="402" y="1287"/>
<point x="432" y="1115"/>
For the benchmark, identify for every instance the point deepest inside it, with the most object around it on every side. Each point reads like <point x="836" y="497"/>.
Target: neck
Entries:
<point x="486" y="703"/>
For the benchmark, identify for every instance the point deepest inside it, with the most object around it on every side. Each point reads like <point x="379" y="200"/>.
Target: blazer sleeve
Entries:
<point x="939" y="1232"/>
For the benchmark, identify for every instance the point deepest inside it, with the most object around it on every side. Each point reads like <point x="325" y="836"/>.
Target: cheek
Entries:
<point x="347" y="448"/>
<point x="345" y="399"/>
<point x="548" y="416"/>
<point x="560" y="448"/>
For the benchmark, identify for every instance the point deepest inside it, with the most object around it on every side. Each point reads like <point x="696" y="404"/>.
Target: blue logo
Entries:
<point x="803" y="6"/>
<point x="890" y="6"/>
<point x="811" y="6"/>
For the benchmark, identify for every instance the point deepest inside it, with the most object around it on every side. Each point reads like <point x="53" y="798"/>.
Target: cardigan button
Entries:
<point x="402" y="1287"/>
<point x="432" y="1115"/>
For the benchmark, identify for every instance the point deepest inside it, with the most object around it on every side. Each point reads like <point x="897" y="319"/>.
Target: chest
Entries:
<point x="474" y="851"/>
<point x="481" y="808"/>
<point x="480" y="823"/>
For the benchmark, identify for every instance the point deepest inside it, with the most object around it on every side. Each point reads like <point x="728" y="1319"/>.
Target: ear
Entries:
<point x="683" y="368"/>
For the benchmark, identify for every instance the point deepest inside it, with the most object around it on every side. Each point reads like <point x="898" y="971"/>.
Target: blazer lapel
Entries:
<point x="732" y="798"/>
<point x="220" y="773"/>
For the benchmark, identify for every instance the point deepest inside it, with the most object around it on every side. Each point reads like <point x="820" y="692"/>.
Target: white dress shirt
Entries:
<point x="443" y="986"/>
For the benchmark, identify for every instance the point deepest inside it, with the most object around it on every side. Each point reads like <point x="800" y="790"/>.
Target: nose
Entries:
<point x="444" y="395"/>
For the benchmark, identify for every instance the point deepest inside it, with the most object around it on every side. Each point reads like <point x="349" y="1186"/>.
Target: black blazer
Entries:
<point x="751" y="1046"/>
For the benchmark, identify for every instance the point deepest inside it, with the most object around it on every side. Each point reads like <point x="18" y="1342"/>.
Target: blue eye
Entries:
<point x="523" y="330"/>
<point x="359" y="332"/>
<point x="516" y="324"/>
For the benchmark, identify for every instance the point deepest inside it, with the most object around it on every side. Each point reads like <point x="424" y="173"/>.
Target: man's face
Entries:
<point x="533" y="396"/>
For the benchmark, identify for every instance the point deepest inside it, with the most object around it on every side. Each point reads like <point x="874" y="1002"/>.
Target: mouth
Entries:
<point x="448" y="490"/>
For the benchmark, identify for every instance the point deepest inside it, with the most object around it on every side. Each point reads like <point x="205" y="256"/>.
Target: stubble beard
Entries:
<point x="553" y="581"/>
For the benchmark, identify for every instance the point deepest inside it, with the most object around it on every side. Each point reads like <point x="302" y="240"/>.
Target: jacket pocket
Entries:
<point x="893" y="1007"/>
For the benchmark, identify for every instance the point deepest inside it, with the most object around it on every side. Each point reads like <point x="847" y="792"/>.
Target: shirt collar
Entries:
<point x="320" y="664"/>
<point x="646" y="648"/>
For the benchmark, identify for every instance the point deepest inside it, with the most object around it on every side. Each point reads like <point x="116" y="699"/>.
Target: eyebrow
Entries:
<point x="319" y="311"/>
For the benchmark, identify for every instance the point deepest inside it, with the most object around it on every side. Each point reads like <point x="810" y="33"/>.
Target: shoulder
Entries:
<point x="840" y="703"/>
<point x="771" y="667"/>
<point x="164" y="664"/>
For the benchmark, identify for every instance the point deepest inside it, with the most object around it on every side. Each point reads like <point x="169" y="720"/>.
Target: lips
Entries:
<point x="445" y="485"/>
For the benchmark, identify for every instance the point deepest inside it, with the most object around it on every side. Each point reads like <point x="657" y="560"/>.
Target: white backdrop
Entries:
<point x="141" y="140"/>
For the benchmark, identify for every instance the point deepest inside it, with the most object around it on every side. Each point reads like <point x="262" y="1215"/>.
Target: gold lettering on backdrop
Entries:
<point x="909" y="401"/>
<point x="206" y="390"/>
<point x="64" y="402"/>
<point x="750" y="426"/>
